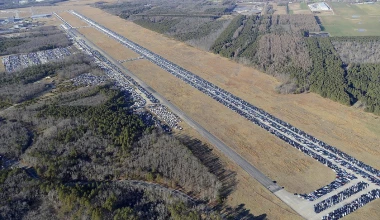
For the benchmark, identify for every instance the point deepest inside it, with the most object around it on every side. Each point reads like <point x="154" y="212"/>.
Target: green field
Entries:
<point x="304" y="6"/>
<point x="352" y="20"/>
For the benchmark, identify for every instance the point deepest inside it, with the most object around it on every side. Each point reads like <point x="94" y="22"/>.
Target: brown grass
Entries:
<point x="296" y="8"/>
<point x="113" y="48"/>
<point x="73" y="20"/>
<point x="279" y="10"/>
<point x="369" y="211"/>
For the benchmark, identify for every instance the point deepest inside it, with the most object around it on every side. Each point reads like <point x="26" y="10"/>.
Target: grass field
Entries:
<point x="352" y="20"/>
<point x="299" y="8"/>
<point x="304" y="6"/>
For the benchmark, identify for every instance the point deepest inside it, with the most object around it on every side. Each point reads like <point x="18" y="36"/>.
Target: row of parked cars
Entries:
<point x="335" y="199"/>
<point x="21" y="61"/>
<point x="351" y="207"/>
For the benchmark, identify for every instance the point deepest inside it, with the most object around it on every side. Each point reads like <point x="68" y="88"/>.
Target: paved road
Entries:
<point x="230" y="153"/>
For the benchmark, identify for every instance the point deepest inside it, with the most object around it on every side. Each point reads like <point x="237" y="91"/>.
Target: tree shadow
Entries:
<point x="227" y="177"/>
<point x="240" y="212"/>
<point x="212" y="162"/>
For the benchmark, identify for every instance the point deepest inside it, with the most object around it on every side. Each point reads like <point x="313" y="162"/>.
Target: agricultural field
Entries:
<point x="299" y="8"/>
<point x="352" y="20"/>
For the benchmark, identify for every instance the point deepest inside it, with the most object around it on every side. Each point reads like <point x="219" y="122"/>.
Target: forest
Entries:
<point x="78" y="151"/>
<point x="357" y="49"/>
<point x="273" y="43"/>
<point x="197" y="23"/>
<point x="23" y="197"/>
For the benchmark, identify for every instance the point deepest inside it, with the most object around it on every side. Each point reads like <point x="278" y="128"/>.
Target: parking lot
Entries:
<point x="21" y="61"/>
<point x="164" y="114"/>
<point x="87" y="79"/>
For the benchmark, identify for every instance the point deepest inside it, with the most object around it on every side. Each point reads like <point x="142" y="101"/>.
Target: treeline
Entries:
<point x="242" y="36"/>
<point x="327" y="75"/>
<point x="182" y="28"/>
<point x="363" y="84"/>
<point x="195" y="22"/>
<point x="358" y="49"/>
<point x="128" y="10"/>
<point x="22" y="197"/>
<point x="158" y="24"/>
<point x="272" y="43"/>
<point x="226" y="38"/>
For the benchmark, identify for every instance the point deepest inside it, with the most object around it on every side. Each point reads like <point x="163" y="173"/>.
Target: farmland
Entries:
<point x="352" y="20"/>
